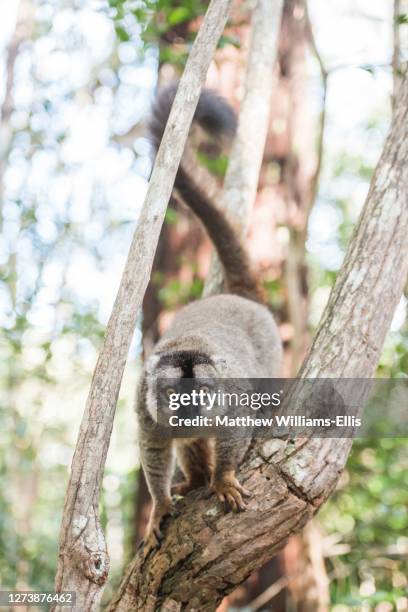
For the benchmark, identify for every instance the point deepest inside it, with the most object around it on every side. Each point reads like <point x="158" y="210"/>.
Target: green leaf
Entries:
<point x="368" y="68"/>
<point x="178" y="15"/>
<point x="167" y="54"/>
<point x="121" y="33"/>
<point x="196" y="288"/>
<point x="401" y="19"/>
<point x="229" y="40"/>
<point x="171" y="216"/>
<point x="216" y="165"/>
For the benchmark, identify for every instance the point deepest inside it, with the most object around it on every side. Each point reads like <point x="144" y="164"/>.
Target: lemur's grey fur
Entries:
<point x="226" y="336"/>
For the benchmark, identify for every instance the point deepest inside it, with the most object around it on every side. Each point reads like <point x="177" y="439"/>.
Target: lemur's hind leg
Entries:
<point x="157" y="460"/>
<point x="196" y="459"/>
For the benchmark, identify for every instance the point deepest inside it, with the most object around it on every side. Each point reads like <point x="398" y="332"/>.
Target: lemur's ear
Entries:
<point x="220" y="364"/>
<point x="151" y="364"/>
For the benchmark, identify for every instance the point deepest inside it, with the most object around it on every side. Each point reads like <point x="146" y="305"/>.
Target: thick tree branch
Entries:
<point x="242" y="177"/>
<point x="207" y="553"/>
<point x="83" y="558"/>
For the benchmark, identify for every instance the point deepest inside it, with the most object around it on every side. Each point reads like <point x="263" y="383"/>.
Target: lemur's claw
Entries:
<point x="151" y="542"/>
<point x="154" y="534"/>
<point x="229" y="490"/>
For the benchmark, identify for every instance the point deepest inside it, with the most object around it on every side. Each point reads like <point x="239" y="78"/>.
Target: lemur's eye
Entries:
<point x="170" y="391"/>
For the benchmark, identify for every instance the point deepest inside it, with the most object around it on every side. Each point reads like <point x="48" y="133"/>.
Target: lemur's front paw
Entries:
<point x="154" y="535"/>
<point x="228" y="489"/>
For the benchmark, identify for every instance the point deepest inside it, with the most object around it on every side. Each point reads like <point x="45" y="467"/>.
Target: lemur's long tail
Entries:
<point x="217" y="118"/>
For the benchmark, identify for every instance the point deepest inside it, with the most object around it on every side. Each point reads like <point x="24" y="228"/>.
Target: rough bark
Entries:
<point x="206" y="553"/>
<point x="245" y="161"/>
<point x="83" y="559"/>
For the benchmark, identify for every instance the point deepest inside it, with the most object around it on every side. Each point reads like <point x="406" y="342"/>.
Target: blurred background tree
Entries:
<point x="77" y="82"/>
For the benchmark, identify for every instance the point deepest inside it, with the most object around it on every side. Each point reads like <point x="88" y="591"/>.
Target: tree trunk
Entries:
<point x="205" y="554"/>
<point x="308" y="586"/>
<point x="304" y="568"/>
<point x="245" y="161"/>
<point x="83" y="559"/>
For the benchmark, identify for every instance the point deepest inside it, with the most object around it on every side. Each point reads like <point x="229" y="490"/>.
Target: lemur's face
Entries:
<point x="174" y="372"/>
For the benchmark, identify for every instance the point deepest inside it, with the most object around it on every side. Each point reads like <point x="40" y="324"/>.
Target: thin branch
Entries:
<point x="400" y="40"/>
<point x="396" y="56"/>
<point x="242" y="177"/>
<point x="83" y="559"/>
<point x="320" y="143"/>
<point x="367" y="67"/>
<point x="272" y="591"/>
<point x="295" y="263"/>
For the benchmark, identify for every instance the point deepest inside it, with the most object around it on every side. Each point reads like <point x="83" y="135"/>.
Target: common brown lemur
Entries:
<point x="232" y="335"/>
